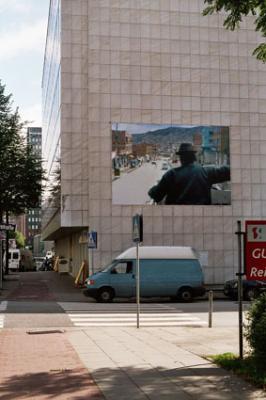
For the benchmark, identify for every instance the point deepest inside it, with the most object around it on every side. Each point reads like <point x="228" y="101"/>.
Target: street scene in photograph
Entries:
<point x="170" y="164"/>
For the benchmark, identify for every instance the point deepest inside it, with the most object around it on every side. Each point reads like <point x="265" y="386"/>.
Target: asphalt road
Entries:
<point x="47" y="299"/>
<point x="132" y="187"/>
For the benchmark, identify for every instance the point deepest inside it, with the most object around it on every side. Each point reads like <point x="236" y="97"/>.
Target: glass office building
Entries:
<point x="34" y="139"/>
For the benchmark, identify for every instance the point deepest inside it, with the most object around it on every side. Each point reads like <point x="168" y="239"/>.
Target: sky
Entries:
<point x="142" y="128"/>
<point x="23" y="26"/>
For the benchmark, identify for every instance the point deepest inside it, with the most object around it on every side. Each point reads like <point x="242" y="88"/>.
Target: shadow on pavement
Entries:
<point x="64" y="384"/>
<point x="189" y="382"/>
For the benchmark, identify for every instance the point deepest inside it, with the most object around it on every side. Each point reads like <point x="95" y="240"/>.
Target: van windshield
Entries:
<point x="109" y="266"/>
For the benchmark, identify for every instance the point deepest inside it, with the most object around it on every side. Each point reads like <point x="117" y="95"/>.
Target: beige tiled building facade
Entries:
<point x="150" y="62"/>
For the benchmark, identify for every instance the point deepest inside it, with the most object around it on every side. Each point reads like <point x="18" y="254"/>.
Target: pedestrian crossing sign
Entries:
<point x="92" y="240"/>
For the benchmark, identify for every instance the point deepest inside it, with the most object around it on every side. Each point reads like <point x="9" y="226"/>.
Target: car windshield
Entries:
<point x="109" y="266"/>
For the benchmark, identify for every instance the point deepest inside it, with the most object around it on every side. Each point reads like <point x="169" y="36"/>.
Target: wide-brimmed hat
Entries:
<point x="186" y="148"/>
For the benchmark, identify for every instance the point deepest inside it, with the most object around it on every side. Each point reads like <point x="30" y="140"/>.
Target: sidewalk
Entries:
<point x="114" y="363"/>
<point x="160" y="363"/>
<point x="42" y="366"/>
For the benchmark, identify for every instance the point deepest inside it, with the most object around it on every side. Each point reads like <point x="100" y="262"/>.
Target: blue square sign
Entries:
<point x="92" y="240"/>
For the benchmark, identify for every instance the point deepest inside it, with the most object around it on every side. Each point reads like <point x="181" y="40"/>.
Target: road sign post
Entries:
<point x="6" y="227"/>
<point x="92" y="244"/>
<point x="137" y="235"/>
<point x="240" y="274"/>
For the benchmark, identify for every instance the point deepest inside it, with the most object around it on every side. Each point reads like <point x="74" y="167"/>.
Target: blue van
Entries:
<point x="164" y="272"/>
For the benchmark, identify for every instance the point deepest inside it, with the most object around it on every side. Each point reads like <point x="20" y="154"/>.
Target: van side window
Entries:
<point x="123" y="268"/>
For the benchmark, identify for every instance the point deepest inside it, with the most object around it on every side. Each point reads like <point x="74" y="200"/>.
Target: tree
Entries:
<point x="21" y="171"/>
<point x="55" y="186"/>
<point x="19" y="237"/>
<point x="236" y="10"/>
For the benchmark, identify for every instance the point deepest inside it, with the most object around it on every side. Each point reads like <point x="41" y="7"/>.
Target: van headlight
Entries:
<point x="89" y="282"/>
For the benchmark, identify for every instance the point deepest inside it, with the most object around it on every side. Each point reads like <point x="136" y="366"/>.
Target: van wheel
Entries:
<point x="105" y="295"/>
<point x="185" y="295"/>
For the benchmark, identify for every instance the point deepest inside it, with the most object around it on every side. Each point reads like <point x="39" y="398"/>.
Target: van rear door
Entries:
<point x="13" y="259"/>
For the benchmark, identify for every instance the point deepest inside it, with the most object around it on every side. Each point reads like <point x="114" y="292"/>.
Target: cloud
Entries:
<point x="27" y="38"/>
<point x="15" y="6"/>
<point x="32" y="114"/>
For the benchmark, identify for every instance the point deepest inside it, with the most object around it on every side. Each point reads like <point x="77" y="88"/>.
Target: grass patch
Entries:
<point x="249" y="368"/>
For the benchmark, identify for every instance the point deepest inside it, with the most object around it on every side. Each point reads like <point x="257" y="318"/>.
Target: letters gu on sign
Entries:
<point x="256" y="250"/>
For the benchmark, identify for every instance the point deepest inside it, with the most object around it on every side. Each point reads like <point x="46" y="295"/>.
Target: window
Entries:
<point x="125" y="267"/>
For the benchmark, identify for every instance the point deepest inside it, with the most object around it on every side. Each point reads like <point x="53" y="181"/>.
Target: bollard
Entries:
<point x="210" y="307"/>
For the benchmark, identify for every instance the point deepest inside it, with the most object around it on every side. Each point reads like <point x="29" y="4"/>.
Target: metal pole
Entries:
<point x="240" y="289"/>
<point x="1" y="266"/>
<point x="137" y="284"/>
<point x="92" y="266"/>
<point x="88" y="261"/>
<point x="210" y="307"/>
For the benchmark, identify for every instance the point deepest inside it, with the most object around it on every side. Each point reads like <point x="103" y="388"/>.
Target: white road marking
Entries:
<point x="129" y="319"/>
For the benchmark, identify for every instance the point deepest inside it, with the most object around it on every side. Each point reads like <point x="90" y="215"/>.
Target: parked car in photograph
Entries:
<point x="165" y="166"/>
<point x="251" y="289"/>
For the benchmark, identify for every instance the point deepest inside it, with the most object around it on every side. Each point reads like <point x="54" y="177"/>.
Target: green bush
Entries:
<point x="256" y="329"/>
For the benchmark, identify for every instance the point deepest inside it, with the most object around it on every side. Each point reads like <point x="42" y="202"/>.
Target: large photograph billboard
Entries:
<point x="170" y="164"/>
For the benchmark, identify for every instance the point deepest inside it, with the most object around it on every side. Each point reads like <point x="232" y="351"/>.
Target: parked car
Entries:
<point x="251" y="289"/>
<point x="165" y="166"/>
<point x="38" y="261"/>
<point x="165" y="271"/>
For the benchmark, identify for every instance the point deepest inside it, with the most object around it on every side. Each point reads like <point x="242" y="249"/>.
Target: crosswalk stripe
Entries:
<point x="160" y="323"/>
<point x="3" y="305"/>
<point x="111" y="315"/>
<point x="2" y="320"/>
<point x="88" y="319"/>
<point x="129" y="319"/>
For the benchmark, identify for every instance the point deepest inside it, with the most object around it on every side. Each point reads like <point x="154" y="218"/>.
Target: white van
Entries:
<point x="165" y="271"/>
<point x="13" y="259"/>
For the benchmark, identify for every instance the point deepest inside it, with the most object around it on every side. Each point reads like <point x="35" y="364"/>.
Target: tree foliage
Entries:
<point x="55" y="186"/>
<point x="236" y="10"/>
<point x="21" y="172"/>
<point x="256" y="329"/>
<point x="19" y="237"/>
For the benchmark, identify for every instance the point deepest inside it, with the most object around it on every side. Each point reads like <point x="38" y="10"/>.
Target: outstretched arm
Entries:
<point x="218" y="174"/>
<point x="158" y="192"/>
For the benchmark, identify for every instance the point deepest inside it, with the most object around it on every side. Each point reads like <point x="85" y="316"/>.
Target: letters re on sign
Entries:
<point x="256" y="250"/>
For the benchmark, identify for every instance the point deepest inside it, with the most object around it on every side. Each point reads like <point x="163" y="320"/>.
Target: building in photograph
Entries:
<point x="33" y="217"/>
<point x="150" y="62"/>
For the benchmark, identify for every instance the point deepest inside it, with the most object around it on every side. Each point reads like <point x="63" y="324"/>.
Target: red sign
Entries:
<point x="256" y="250"/>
